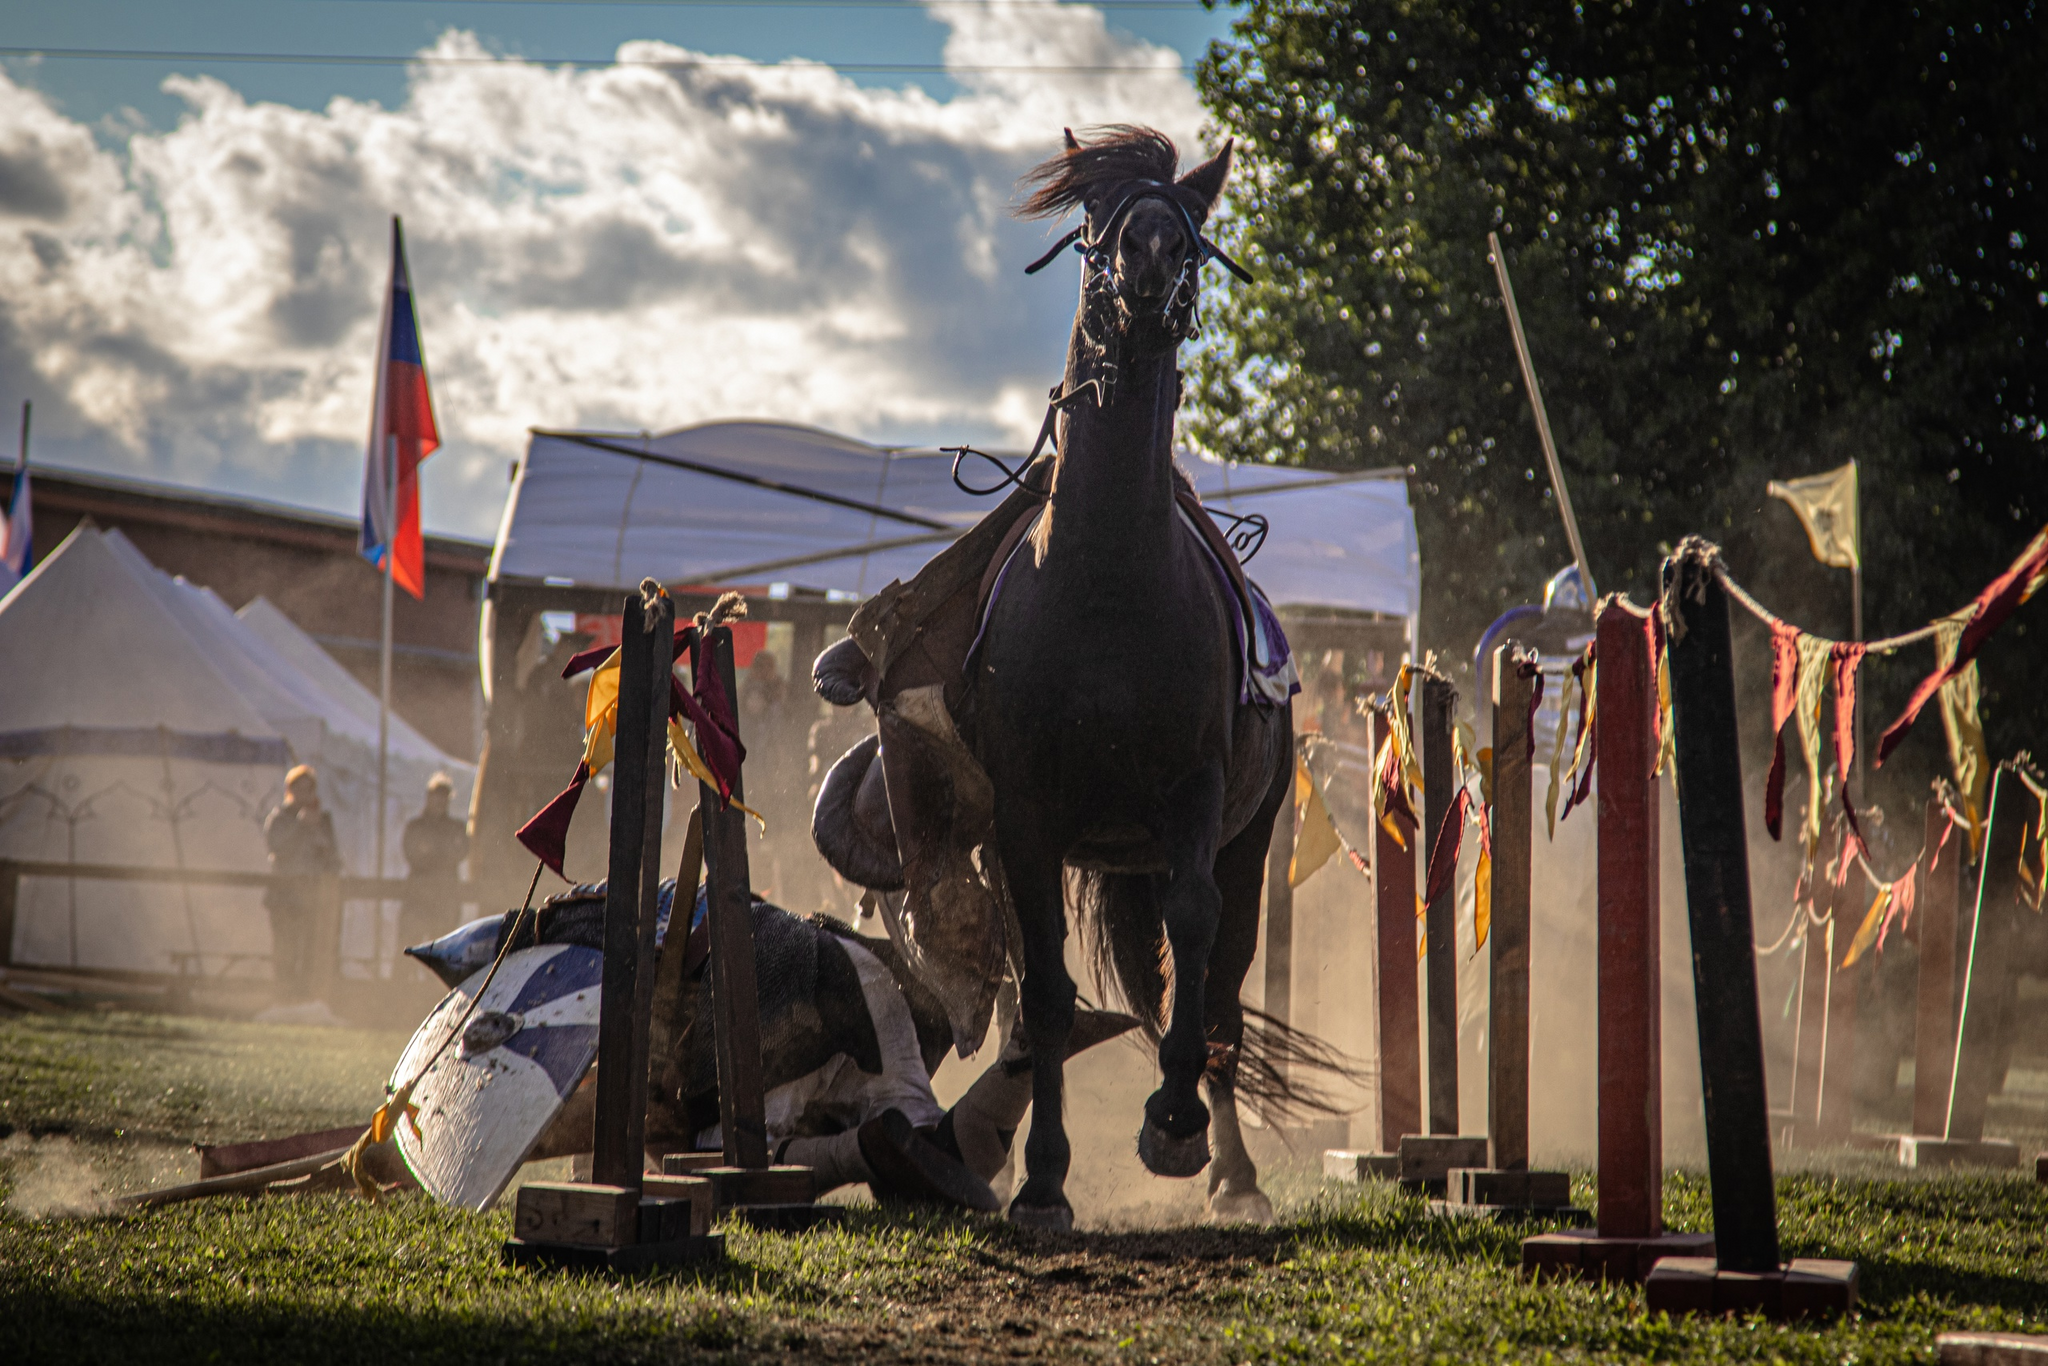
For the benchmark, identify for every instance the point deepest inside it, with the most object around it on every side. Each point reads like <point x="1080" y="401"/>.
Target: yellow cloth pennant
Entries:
<point x="1316" y="838"/>
<point x="1866" y="933"/>
<point x="1826" y="507"/>
<point x="1813" y="681"/>
<point x="1564" y="718"/>
<point x="1482" y="900"/>
<point x="686" y="754"/>
<point x="1968" y="756"/>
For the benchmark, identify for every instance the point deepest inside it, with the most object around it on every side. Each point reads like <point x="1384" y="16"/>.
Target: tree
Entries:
<point x="1748" y="241"/>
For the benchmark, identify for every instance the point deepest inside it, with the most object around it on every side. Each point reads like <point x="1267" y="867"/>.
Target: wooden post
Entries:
<point x="1278" y="1000"/>
<point x="735" y="996"/>
<point x="1508" y="1008"/>
<point x="638" y="768"/>
<point x="1439" y="790"/>
<point x="10" y="897"/>
<point x="1715" y="842"/>
<point x="1631" y="1143"/>
<point x="1393" y="870"/>
<point x="1934" y="1027"/>
<point x="1987" y="974"/>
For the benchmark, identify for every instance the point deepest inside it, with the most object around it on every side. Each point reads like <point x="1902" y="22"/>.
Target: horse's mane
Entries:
<point x="1110" y="155"/>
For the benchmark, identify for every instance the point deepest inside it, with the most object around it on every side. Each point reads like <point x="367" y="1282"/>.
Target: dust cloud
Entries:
<point x="51" y="1178"/>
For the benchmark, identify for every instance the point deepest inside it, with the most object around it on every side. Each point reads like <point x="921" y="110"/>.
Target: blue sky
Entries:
<point x="192" y="252"/>
<point x="836" y="32"/>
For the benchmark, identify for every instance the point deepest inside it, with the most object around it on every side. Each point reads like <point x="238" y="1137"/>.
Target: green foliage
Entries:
<point x="1747" y="241"/>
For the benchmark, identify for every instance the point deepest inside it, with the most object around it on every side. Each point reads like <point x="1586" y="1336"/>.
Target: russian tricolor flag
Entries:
<point x="402" y="434"/>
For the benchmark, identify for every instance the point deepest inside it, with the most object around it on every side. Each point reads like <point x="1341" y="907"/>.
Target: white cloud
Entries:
<point x="632" y="247"/>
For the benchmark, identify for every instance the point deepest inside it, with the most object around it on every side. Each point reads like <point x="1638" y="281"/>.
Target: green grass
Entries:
<point x="1351" y="1274"/>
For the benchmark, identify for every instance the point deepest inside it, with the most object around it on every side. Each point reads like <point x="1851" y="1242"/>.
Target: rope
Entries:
<point x="1770" y="618"/>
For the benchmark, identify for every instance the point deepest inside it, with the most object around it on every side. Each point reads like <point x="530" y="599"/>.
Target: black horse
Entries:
<point x="1112" y="713"/>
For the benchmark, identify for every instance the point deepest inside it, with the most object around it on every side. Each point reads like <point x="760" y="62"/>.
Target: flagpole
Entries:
<point x="384" y="660"/>
<point x="1856" y="607"/>
<point x="1564" y="497"/>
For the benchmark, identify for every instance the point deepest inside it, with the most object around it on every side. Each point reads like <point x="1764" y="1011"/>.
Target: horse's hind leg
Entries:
<point x="1234" y="1194"/>
<point x="1047" y="998"/>
<point x="1175" y="1138"/>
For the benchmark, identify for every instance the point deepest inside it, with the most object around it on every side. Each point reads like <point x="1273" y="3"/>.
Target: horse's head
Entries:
<point x="1142" y="234"/>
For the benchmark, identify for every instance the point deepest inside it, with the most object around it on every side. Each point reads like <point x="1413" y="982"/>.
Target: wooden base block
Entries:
<point x="1583" y="1254"/>
<point x="1427" y="1159"/>
<point x="1922" y="1150"/>
<point x="1342" y="1164"/>
<point x="573" y="1213"/>
<point x="704" y="1248"/>
<point x="2041" y="1167"/>
<point x="1992" y="1349"/>
<point x="694" y="1190"/>
<point x="1804" y="1288"/>
<point x="689" y="1164"/>
<point x="732" y="1186"/>
<point x="1488" y="1186"/>
<point x="796" y="1218"/>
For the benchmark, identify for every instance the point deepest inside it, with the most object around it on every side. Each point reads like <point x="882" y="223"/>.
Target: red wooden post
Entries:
<point x="1631" y="1178"/>
<point x="1934" y="1029"/>
<point x="1507" y="1014"/>
<point x="1400" y="1029"/>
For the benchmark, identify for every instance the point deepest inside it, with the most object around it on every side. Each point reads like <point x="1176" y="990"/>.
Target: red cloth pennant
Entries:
<point x="1393" y="791"/>
<point x="584" y="660"/>
<point x="708" y="710"/>
<point x="547" y="834"/>
<point x="1528" y="669"/>
<point x="1846" y="658"/>
<point x="1587" y="745"/>
<point x="1948" y="827"/>
<point x="1900" y="912"/>
<point x="1443" y="857"/>
<point x="1992" y="606"/>
<point x="1784" y="698"/>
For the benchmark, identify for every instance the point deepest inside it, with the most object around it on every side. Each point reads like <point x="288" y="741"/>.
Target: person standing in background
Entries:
<point x="436" y="843"/>
<point x="300" y="837"/>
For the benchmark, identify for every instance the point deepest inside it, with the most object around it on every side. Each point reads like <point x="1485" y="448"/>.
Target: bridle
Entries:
<point x="1108" y="309"/>
<point x="1179" y="315"/>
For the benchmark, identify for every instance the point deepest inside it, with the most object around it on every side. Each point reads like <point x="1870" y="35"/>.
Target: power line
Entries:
<point x="1164" y="6"/>
<point x="92" y="54"/>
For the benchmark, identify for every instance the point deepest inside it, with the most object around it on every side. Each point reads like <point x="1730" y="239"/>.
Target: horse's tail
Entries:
<point x="1283" y="1073"/>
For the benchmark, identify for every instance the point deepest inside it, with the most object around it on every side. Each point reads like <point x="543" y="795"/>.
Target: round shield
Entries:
<point x="491" y="1093"/>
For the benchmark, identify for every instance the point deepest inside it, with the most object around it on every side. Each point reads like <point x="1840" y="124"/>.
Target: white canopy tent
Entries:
<point x="755" y="502"/>
<point x="146" y="724"/>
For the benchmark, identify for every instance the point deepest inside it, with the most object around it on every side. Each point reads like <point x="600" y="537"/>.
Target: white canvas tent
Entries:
<point x="765" y="502"/>
<point x="144" y="723"/>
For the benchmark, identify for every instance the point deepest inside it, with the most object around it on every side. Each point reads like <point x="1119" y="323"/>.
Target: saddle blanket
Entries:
<point x="1266" y="672"/>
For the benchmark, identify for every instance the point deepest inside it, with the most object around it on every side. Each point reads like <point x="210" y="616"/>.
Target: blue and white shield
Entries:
<point x="489" y="1095"/>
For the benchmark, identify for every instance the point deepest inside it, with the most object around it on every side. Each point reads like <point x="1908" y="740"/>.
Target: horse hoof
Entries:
<point x="1048" y="1218"/>
<point x="1167" y="1156"/>
<point x="1227" y="1206"/>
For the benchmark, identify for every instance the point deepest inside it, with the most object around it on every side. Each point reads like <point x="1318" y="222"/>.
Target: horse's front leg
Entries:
<point x="1175" y="1138"/>
<point x="1234" y="1194"/>
<point x="1047" y="998"/>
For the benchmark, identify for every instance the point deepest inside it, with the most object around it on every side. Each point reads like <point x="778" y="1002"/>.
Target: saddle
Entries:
<point x="908" y="656"/>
